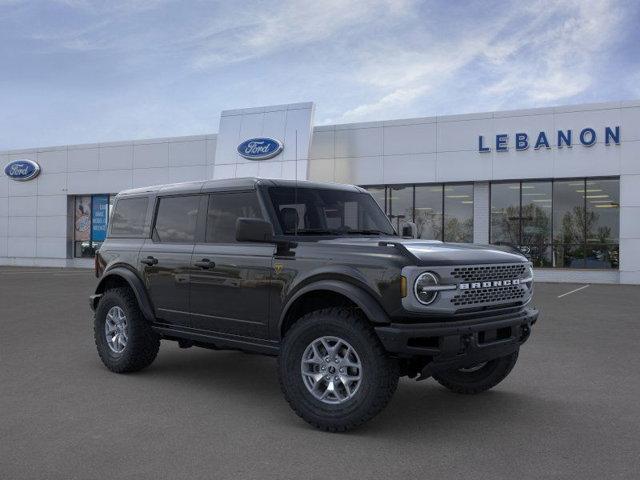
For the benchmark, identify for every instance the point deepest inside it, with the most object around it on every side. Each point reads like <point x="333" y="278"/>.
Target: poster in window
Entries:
<point x="82" y="229"/>
<point x="100" y="215"/>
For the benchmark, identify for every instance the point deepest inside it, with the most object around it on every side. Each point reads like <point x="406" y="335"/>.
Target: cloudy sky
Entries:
<point x="80" y="71"/>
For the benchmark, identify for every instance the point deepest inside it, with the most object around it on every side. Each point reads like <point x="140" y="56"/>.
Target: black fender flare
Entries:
<point x="369" y="305"/>
<point x="134" y="282"/>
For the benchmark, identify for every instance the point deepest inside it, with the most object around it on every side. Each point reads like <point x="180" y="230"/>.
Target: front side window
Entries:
<point x="128" y="217"/>
<point x="176" y="219"/>
<point x="306" y="211"/>
<point x="224" y="209"/>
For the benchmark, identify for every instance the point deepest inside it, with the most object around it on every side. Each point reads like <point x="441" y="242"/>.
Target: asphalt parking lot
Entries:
<point x="570" y="408"/>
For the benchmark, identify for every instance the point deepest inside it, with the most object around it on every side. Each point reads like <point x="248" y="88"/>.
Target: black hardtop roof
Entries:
<point x="233" y="184"/>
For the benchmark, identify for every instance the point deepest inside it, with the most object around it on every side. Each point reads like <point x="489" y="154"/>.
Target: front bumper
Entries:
<point x="459" y="344"/>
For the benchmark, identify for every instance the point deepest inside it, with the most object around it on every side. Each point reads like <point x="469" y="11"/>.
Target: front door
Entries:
<point x="166" y="257"/>
<point x="230" y="281"/>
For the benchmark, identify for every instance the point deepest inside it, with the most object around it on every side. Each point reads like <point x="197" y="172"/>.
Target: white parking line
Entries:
<point x="573" y="291"/>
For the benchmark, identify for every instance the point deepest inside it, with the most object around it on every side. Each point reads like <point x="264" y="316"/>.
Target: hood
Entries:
<point x="432" y="252"/>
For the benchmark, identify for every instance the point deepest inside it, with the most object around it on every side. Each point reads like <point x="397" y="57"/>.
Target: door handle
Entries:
<point x="149" y="260"/>
<point x="205" y="264"/>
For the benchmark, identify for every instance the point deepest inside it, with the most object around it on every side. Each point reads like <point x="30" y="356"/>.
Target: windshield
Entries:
<point x="310" y="211"/>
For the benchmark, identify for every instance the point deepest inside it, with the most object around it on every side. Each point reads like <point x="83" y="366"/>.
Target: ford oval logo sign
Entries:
<point x="22" y="170"/>
<point x="260" y="148"/>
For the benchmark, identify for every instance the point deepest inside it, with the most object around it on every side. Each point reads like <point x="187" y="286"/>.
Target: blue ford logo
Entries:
<point x="22" y="170"/>
<point x="260" y="148"/>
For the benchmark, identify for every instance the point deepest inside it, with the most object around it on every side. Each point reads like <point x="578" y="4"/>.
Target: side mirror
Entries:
<point x="409" y="229"/>
<point x="253" y="230"/>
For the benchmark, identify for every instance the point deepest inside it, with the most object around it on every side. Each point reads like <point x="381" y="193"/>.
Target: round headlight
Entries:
<point x="422" y="290"/>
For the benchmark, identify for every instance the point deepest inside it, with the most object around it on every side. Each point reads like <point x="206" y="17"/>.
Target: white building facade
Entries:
<point x="562" y="184"/>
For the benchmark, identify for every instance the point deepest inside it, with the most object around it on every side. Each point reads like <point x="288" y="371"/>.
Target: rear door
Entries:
<point x="230" y="281"/>
<point x="165" y="258"/>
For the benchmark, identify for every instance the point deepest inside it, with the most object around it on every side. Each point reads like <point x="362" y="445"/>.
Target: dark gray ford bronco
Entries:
<point x="313" y="274"/>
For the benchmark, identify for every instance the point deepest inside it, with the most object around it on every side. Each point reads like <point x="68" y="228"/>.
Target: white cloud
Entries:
<point x="543" y="52"/>
<point x="288" y="24"/>
<point x="554" y="63"/>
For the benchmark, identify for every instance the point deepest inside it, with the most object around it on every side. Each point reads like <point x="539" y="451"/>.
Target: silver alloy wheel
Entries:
<point x="116" y="330"/>
<point x="474" y="368"/>
<point x="331" y="370"/>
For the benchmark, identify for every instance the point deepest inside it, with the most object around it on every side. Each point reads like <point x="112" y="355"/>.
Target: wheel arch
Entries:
<point x="123" y="277"/>
<point x="330" y="293"/>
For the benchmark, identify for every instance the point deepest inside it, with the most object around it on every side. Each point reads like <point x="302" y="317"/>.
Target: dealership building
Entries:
<point x="562" y="184"/>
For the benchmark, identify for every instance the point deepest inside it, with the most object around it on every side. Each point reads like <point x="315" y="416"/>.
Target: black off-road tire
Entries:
<point x="469" y="383"/>
<point x="142" y="344"/>
<point x="379" y="372"/>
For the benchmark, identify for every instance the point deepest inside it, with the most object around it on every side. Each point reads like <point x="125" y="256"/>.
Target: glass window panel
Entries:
<point x="602" y="256"/>
<point x="224" y="209"/>
<point x="458" y="213"/>
<point x="428" y="212"/>
<point x="568" y="212"/>
<point x="82" y="227"/>
<point x="536" y="222"/>
<point x="400" y="205"/>
<point x="378" y="195"/>
<point x="568" y="256"/>
<point x="176" y="220"/>
<point x="82" y="230"/>
<point x="505" y="213"/>
<point x="603" y="211"/>
<point x="128" y="217"/>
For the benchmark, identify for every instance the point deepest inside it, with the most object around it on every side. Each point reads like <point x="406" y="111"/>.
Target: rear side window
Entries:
<point x="224" y="209"/>
<point x="127" y="219"/>
<point x="176" y="219"/>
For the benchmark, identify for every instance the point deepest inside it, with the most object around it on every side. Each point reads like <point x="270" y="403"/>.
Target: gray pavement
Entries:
<point x="570" y="408"/>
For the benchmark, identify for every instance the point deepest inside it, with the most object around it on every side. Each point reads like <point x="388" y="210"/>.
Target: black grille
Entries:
<point x="489" y="272"/>
<point x="489" y="295"/>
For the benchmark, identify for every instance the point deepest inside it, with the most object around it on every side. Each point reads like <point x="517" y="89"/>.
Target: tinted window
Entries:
<point x="224" y="209"/>
<point x="310" y="211"/>
<point x="128" y="217"/>
<point x="176" y="220"/>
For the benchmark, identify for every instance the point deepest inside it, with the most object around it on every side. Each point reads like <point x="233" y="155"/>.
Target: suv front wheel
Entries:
<point x="124" y="339"/>
<point x="333" y="370"/>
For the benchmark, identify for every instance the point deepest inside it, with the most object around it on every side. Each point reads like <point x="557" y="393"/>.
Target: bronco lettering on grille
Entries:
<point x="489" y="284"/>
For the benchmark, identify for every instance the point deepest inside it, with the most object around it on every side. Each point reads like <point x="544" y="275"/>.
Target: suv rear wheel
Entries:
<point x="478" y="378"/>
<point x="333" y="370"/>
<point x="124" y="339"/>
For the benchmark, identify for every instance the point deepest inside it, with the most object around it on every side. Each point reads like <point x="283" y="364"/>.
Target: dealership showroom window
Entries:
<point x="562" y="223"/>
